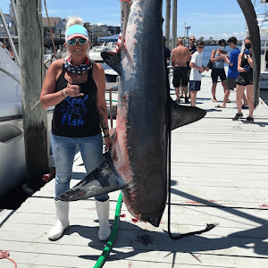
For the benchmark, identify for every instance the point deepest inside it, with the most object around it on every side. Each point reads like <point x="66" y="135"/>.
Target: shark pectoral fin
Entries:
<point x="102" y="180"/>
<point x="183" y="115"/>
<point x="113" y="59"/>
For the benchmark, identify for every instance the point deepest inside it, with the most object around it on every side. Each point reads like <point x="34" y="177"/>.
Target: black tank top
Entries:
<point x="244" y="62"/>
<point x="77" y="117"/>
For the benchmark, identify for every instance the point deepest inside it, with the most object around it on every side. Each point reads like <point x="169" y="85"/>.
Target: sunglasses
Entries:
<point x="73" y="41"/>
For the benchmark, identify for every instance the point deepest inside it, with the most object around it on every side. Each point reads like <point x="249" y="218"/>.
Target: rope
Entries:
<point x="106" y="251"/>
<point x="5" y="255"/>
<point x="209" y="226"/>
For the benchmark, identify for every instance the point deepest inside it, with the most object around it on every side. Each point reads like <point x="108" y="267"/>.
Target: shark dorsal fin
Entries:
<point x="183" y="115"/>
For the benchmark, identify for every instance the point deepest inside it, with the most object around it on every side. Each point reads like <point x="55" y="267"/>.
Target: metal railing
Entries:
<point x="10" y="75"/>
<point x="110" y="101"/>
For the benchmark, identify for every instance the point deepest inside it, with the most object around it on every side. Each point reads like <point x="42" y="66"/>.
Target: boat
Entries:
<point x="95" y="55"/>
<point x="95" y="52"/>
<point x="12" y="149"/>
<point x="12" y="152"/>
<point x="110" y="75"/>
<point x="262" y="17"/>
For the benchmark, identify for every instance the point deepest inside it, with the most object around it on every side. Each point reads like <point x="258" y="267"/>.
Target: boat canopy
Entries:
<point x="112" y="38"/>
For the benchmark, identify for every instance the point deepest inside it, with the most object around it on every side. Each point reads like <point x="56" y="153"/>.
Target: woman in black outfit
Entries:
<point x="245" y="81"/>
<point x="76" y="87"/>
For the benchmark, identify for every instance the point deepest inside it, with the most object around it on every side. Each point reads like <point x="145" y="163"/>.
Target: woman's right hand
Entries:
<point x="72" y="90"/>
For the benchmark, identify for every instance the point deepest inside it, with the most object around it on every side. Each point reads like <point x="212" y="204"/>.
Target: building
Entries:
<point x="101" y="30"/>
<point x="57" y="26"/>
<point x="11" y="27"/>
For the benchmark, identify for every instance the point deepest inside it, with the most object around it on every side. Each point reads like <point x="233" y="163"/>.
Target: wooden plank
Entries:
<point x="5" y="214"/>
<point x="137" y="246"/>
<point x="121" y="259"/>
<point x="235" y="231"/>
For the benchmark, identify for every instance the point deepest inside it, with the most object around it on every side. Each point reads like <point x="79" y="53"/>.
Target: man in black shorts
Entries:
<point x="180" y="55"/>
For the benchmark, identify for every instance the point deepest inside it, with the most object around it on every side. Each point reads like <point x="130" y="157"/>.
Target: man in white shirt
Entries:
<point x="196" y="71"/>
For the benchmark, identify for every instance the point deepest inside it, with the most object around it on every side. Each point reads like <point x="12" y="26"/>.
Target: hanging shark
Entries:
<point x="137" y="163"/>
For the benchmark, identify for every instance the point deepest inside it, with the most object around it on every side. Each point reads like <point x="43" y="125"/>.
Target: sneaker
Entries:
<point x="177" y="100"/>
<point x="237" y="116"/>
<point x="245" y="107"/>
<point x="186" y="100"/>
<point x="249" y="120"/>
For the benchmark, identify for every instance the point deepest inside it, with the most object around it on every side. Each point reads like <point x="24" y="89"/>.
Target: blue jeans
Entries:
<point x="64" y="150"/>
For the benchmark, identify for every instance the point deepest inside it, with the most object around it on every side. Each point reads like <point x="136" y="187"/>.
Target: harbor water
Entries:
<point x="208" y="49"/>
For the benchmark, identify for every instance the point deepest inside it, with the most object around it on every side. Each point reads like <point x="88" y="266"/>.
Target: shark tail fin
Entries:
<point x="103" y="179"/>
<point x="183" y="115"/>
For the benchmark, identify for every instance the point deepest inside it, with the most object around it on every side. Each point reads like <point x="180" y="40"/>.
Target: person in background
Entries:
<point x="192" y="49"/>
<point x="180" y="55"/>
<point x="192" y="46"/>
<point x="76" y="87"/>
<point x="218" y="58"/>
<point x="196" y="71"/>
<point x="245" y="81"/>
<point x="3" y="45"/>
<point x="10" y="51"/>
<point x="7" y="46"/>
<point x="167" y="51"/>
<point x="232" y="71"/>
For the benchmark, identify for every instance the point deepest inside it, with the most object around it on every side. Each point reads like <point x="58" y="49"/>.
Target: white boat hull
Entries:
<point x="12" y="150"/>
<point x="110" y="75"/>
<point x="264" y="81"/>
<point x="95" y="56"/>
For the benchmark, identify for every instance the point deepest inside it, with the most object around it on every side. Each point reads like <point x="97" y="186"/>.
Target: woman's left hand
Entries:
<point x="108" y="143"/>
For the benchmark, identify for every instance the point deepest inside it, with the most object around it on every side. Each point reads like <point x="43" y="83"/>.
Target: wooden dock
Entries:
<point x="219" y="174"/>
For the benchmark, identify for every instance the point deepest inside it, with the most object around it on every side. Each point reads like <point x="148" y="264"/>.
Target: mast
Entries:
<point x="167" y="22"/>
<point x="174" y="23"/>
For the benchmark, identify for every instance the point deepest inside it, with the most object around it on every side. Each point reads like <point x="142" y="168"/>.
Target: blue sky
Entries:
<point x="210" y="18"/>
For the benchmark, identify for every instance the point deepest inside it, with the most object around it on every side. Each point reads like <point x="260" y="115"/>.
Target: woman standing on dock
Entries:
<point x="76" y="87"/>
<point x="245" y="81"/>
<point x="218" y="58"/>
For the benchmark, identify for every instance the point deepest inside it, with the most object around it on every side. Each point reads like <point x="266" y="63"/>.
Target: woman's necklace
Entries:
<point x="77" y="69"/>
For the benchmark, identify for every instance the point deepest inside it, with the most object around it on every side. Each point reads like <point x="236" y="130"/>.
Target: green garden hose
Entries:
<point x="112" y="100"/>
<point x="106" y="251"/>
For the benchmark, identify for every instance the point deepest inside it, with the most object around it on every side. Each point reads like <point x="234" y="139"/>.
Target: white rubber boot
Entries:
<point x="62" y="215"/>
<point x="103" y="209"/>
